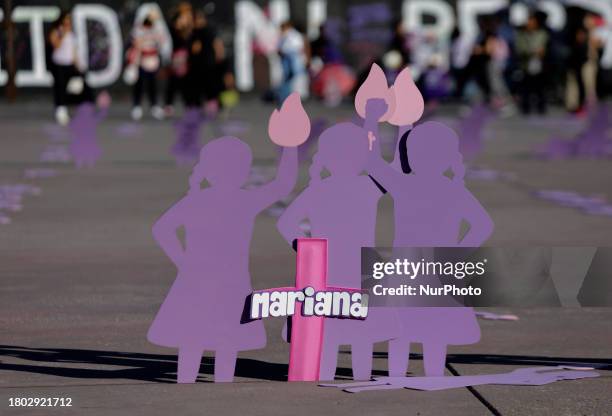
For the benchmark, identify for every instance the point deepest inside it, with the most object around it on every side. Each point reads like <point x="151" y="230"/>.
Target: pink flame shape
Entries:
<point x="375" y="86"/>
<point x="289" y="127"/>
<point x="409" y="104"/>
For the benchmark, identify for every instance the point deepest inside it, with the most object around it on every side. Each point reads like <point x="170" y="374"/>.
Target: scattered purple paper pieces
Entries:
<point x="488" y="175"/>
<point x="128" y="130"/>
<point x="592" y="205"/>
<point x="20" y="189"/>
<point x="37" y="173"/>
<point x="592" y="142"/>
<point x="55" y="153"/>
<point x="4" y="219"/>
<point x="530" y="376"/>
<point x="565" y="122"/>
<point x="604" y="210"/>
<point x="11" y="199"/>
<point x="56" y="133"/>
<point x="233" y="128"/>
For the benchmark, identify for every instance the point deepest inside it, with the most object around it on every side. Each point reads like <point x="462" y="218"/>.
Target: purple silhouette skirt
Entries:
<point x="204" y="314"/>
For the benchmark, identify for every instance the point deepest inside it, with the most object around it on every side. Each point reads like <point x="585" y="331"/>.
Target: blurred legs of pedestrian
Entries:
<point x="478" y="70"/>
<point x="577" y="72"/>
<point x="172" y="86"/>
<point x="499" y="89"/>
<point x="460" y="75"/>
<point x="147" y="81"/>
<point x="481" y="76"/>
<point x="286" y="86"/>
<point x="533" y="88"/>
<point x="62" y="75"/>
<point x="189" y="93"/>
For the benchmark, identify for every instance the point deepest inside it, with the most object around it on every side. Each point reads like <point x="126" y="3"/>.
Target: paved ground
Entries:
<point x="82" y="280"/>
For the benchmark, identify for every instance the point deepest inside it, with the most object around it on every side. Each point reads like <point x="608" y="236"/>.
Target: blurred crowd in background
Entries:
<point x="510" y="67"/>
<point x="513" y="67"/>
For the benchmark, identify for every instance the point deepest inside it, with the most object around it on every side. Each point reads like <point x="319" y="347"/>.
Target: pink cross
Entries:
<point x="307" y="331"/>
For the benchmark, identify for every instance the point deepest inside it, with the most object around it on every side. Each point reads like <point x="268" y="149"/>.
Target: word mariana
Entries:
<point x="339" y="304"/>
<point x="412" y="269"/>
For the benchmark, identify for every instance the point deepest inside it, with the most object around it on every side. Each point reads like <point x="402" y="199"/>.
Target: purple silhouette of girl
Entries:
<point x="342" y="208"/>
<point x="429" y="210"/>
<point x="84" y="146"/>
<point x="204" y="307"/>
<point x="186" y="147"/>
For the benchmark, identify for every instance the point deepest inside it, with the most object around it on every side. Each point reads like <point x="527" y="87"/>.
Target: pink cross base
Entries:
<point x="307" y="331"/>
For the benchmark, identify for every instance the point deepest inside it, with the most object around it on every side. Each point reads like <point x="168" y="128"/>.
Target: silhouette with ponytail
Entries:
<point x="342" y="208"/>
<point x="429" y="210"/>
<point x="204" y="307"/>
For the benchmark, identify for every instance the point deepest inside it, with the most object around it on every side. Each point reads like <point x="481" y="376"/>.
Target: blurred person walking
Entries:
<point x="292" y="51"/>
<point x="600" y="30"/>
<point x="182" y="25"/>
<point x="399" y="53"/>
<point x="470" y="61"/>
<point x="68" y="79"/>
<point x="579" y="56"/>
<point x="595" y="73"/>
<point x="530" y="46"/>
<point x="498" y="64"/>
<point x="332" y="79"/>
<point x="481" y="59"/>
<point x="206" y="59"/>
<point x="460" y="51"/>
<point x="144" y="56"/>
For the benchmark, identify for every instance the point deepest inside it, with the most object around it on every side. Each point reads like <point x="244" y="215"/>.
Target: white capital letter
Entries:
<point x="251" y="21"/>
<point x="38" y="75"/>
<point x="108" y="19"/>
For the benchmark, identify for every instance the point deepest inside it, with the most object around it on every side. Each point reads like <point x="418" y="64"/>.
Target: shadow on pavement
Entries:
<point x="162" y="368"/>
<point x="143" y="367"/>
<point x="495" y="359"/>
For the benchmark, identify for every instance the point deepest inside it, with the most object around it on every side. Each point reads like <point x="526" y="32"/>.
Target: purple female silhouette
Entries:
<point x="84" y="146"/>
<point x="592" y="142"/>
<point x="186" y="147"/>
<point x="472" y="131"/>
<point x="204" y="307"/>
<point x="342" y="208"/>
<point x="429" y="210"/>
